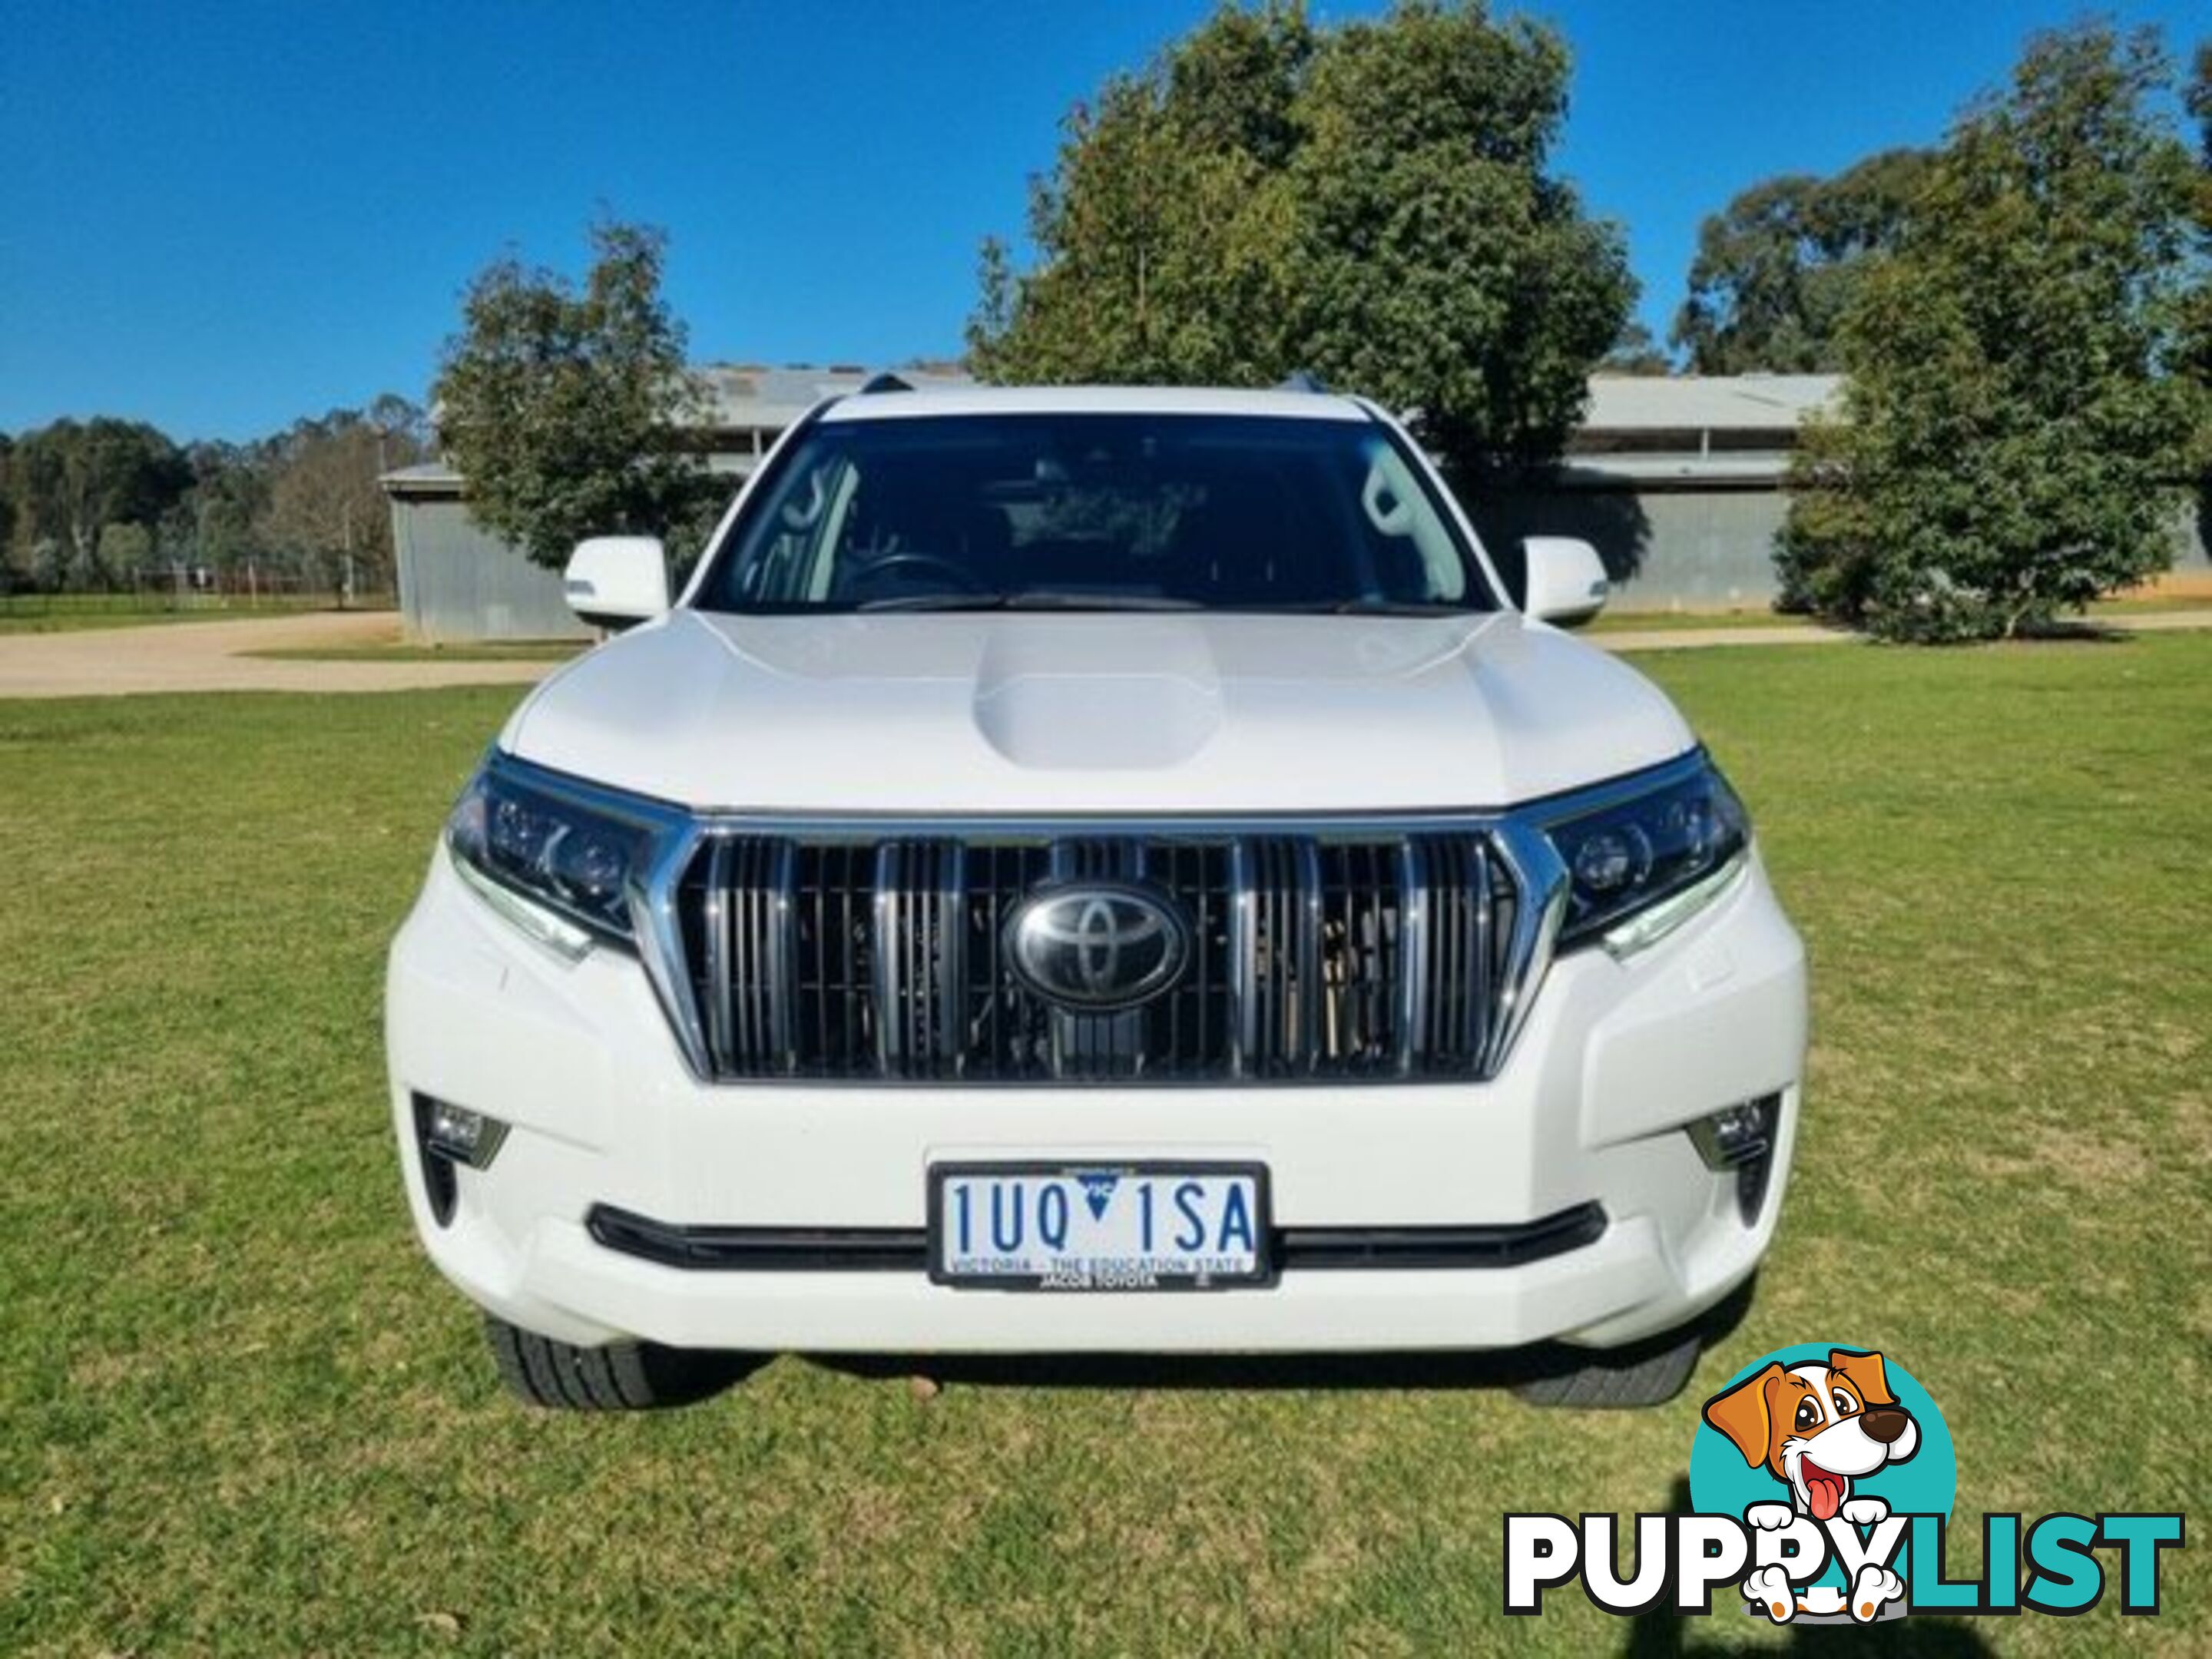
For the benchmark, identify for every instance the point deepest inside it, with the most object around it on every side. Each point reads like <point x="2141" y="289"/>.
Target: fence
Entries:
<point x="216" y="597"/>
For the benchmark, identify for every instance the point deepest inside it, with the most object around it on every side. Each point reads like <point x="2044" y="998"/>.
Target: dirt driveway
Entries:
<point x="208" y="656"/>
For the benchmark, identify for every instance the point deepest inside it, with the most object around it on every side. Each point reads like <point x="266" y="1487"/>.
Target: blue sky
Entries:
<point x="220" y="217"/>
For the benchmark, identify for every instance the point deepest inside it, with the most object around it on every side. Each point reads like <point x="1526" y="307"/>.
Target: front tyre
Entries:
<point x="622" y="1377"/>
<point x="1621" y="1379"/>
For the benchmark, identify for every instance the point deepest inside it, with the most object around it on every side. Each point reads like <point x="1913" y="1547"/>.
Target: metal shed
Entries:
<point x="1677" y="481"/>
<point x="458" y="582"/>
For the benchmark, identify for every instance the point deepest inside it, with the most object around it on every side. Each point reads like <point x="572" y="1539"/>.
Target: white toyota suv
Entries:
<point x="1103" y="869"/>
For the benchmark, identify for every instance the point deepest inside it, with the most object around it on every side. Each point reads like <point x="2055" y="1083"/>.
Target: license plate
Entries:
<point x="1104" y="1227"/>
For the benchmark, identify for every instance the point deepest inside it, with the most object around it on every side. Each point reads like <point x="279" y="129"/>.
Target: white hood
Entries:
<point x="1192" y="712"/>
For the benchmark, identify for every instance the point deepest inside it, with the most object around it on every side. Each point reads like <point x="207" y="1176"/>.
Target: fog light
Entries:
<point x="1742" y="1138"/>
<point x="446" y="1135"/>
<point x="464" y="1136"/>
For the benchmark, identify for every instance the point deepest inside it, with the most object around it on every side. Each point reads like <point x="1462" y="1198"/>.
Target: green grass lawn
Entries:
<point x="239" y="1413"/>
<point x="2150" y="604"/>
<point x="487" y="651"/>
<point x="1667" y="621"/>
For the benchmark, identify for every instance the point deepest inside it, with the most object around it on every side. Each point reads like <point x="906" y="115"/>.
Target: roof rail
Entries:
<point x="1302" y="379"/>
<point x="885" y="382"/>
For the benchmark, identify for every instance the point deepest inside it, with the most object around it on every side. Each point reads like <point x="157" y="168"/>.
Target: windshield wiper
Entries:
<point x="1036" y="600"/>
<point x="1046" y="600"/>
<point x="936" y="602"/>
<point x="1360" y="607"/>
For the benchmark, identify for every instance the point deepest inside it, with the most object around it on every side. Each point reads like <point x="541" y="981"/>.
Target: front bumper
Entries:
<point x="1616" y="1058"/>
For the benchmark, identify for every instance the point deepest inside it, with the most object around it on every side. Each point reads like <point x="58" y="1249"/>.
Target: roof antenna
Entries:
<point x="885" y="382"/>
<point x="1302" y="379"/>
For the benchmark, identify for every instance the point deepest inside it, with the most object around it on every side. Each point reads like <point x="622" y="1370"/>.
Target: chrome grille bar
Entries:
<point x="949" y="981"/>
<point x="716" y="923"/>
<point x="892" y="957"/>
<point x="1413" y="925"/>
<point x="1304" y="902"/>
<point x="775" y="915"/>
<point x="920" y="956"/>
<point x="746" y="924"/>
<point x="1456" y="949"/>
<point x="1244" y="961"/>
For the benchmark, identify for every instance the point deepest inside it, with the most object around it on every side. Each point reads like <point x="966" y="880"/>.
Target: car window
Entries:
<point x="1228" y="512"/>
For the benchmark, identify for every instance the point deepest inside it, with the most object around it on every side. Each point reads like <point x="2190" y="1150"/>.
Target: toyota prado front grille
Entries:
<point x="1077" y="954"/>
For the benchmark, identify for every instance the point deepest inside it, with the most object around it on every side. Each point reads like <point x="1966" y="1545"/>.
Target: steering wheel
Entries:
<point x="963" y="579"/>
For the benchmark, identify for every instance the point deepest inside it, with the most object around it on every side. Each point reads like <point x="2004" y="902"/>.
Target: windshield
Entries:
<point x="1094" y="512"/>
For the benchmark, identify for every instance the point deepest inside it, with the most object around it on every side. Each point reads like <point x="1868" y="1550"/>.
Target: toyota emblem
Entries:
<point x="1097" y="947"/>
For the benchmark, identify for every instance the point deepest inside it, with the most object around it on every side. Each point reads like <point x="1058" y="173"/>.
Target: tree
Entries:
<point x="403" y="430"/>
<point x="222" y="514"/>
<point x="320" y="497"/>
<point x="127" y="551"/>
<point x="1635" y="352"/>
<point x="566" y="409"/>
<point x="2012" y="430"/>
<point x="7" y="501"/>
<point x="2196" y="361"/>
<point x="1777" y="268"/>
<point x="1371" y="201"/>
<point x="73" y="480"/>
<point x="1168" y="224"/>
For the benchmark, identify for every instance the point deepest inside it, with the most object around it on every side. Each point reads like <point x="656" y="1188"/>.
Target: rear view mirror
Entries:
<point x="613" y="581"/>
<point x="1566" y="581"/>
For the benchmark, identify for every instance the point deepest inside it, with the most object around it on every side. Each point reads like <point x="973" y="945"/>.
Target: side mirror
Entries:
<point x="613" y="581"/>
<point x="1566" y="581"/>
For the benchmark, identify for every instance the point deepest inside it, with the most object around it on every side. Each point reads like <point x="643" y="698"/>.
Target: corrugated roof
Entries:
<point x="1732" y="403"/>
<point x="437" y="478"/>
<point x="429" y="478"/>
<point x="749" y="396"/>
<point x="1663" y="472"/>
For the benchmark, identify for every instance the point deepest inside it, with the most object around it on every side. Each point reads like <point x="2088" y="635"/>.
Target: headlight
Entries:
<point x="1639" y="868"/>
<point x="571" y="855"/>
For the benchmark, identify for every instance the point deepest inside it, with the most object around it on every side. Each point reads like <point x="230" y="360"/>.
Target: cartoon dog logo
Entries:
<point x="1816" y="1429"/>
